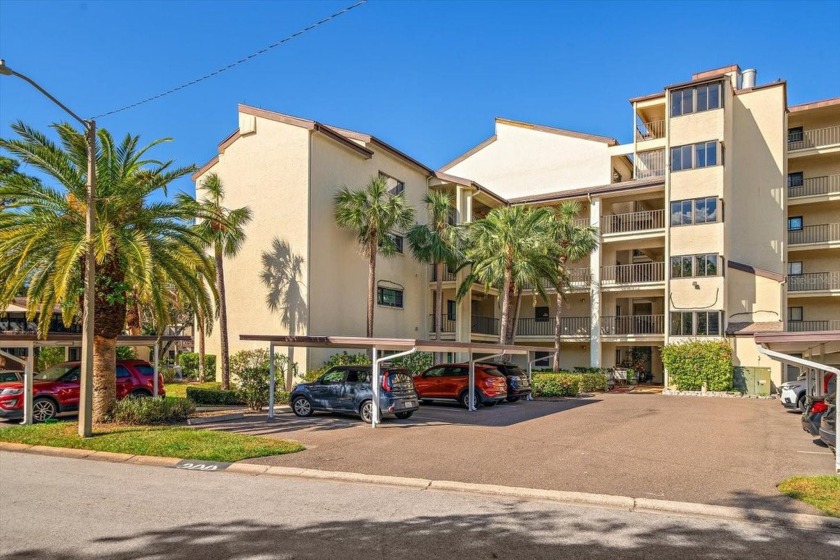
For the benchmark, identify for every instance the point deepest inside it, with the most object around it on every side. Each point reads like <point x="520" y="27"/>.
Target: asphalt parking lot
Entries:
<point x="717" y="451"/>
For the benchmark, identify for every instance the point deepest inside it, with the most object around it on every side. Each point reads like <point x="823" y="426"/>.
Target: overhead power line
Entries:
<point x="237" y="63"/>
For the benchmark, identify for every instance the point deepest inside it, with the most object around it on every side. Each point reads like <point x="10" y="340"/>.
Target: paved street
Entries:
<point x="719" y="451"/>
<point x="54" y="508"/>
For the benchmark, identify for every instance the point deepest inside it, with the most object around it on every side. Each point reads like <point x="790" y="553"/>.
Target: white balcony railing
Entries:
<point x="633" y="324"/>
<point x="633" y="221"/>
<point x="633" y="273"/>
<point x="822" y="233"/>
<point x="650" y="130"/>
<point x="814" y="138"/>
<point x="814" y="186"/>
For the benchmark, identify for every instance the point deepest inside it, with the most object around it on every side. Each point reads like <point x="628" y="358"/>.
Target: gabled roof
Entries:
<point x="468" y="153"/>
<point x="560" y="131"/>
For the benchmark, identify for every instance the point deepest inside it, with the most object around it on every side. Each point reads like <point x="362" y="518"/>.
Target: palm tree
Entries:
<point x="223" y="230"/>
<point x="572" y="242"/>
<point x="139" y="244"/>
<point x="437" y="243"/>
<point x="372" y="213"/>
<point x="510" y="248"/>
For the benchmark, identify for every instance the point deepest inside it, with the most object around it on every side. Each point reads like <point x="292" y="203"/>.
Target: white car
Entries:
<point x="792" y="394"/>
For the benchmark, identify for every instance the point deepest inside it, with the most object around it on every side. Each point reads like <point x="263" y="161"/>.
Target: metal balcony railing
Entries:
<point x="447" y="275"/>
<point x="484" y="325"/>
<point x="447" y="324"/>
<point x="578" y="277"/>
<point x="633" y="273"/>
<point x="650" y="130"/>
<point x="633" y="221"/>
<point x="808" y="326"/>
<point x="22" y="326"/>
<point x="814" y="186"/>
<point x="814" y="138"/>
<point x="544" y="326"/>
<point x="633" y="324"/>
<point x="814" y="281"/>
<point x="822" y="233"/>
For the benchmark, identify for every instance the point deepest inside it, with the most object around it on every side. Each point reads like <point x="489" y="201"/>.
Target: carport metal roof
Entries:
<point x="403" y="347"/>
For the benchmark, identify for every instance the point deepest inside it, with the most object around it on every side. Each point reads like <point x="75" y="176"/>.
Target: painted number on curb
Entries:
<point x="206" y="466"/>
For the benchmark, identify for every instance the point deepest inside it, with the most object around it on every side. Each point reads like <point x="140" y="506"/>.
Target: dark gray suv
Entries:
<point x="347" y="389"/>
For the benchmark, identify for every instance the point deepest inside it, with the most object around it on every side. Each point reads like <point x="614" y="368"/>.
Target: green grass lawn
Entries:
<point x="822" y="492"/>
<point x="159" y="441"/>
<point x="180" y="389"/>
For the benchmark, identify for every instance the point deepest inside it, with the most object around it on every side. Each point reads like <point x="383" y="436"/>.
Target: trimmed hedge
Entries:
<point x="590" y="382"/>
<point x="145" y="411"/>
<point x="199" y="395"/>
<point x="692" y="363"/>
<point x="555" y="384"/>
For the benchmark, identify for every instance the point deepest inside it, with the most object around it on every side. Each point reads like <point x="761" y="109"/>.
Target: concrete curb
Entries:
<point x="197" y="421"/>
<point x="640" y="505"/>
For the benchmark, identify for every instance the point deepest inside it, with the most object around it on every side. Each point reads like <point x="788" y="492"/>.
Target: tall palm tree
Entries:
<point x="223" y="230"/>
<point x="510" y="247"/>
<point x="437" y="243"/>
<point x="372" y="213"/>
<point x="139" y="244"/>
<point x="572" y="242"/>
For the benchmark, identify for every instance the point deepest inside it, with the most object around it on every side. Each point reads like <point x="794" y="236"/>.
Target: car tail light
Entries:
<point x="818" y="406"/>
<point x="386" y="382"/>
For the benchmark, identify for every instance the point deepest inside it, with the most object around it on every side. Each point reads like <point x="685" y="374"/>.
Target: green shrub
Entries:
<point x="168" y="373"/>
<point x="345" y="359"/>
<point x="189" y="365"/>
<point x="417" y="362"/>
<point x="555" y="384"/>
<point x="147" y="410"/>
<point x="49" y="356"/>
<point x="590" y="382"/>
<point x="692" y="363"/>
<point x="312" y="375"/>
<point x="199" y="395"/>
<point x="126" y="353"/>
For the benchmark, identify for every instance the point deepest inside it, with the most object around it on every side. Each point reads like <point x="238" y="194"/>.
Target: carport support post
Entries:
<point x="271" y="381"/>
<point x="155" y="389"/>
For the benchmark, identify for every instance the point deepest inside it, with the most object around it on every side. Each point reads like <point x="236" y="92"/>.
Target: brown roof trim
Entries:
<point x="276" y="117"/>
<point x="204" y="168"/>
<point x="815" y="104"/>
<point x="234" y="136"/>
<point x="750" y="328"/>
<point x="757" y="271"/>
<point x="715" y="72"/>
<point x="343" y="140"/>
<point x="469" y="183"/>
<point x="369" y="139"/>
<point x="698" y="82"/>
<point x="647" y="97"/>
<point x="560" y="131"/>
<point x="576" y="193"/>
<point x="468" y="153"/>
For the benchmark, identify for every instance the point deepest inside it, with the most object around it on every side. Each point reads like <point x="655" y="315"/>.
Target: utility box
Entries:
<point x="753" y="381"/>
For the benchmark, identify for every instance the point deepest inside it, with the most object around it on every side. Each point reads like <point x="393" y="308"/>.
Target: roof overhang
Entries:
<point x="75" y="339"/>
<point x="390" y="344"/>
<point x="819" y="343"/>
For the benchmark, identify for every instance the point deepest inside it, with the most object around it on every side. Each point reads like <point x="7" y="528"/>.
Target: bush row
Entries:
<point x="555" y="384"/>
<point x="209" y="397"/>
<point x="147" y="410"/>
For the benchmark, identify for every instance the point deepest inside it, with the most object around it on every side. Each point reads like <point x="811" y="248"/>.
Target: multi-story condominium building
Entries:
<point x="720" y="220"/>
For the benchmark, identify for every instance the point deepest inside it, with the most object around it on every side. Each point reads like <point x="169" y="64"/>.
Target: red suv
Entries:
<point x="56" y="389"/>
<point x="449" y="381"/>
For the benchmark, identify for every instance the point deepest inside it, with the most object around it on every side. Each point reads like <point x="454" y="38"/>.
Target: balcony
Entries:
<point x="447" y="275"/>
<point x="815" y="186"/>
<point x="810" y="326"/>
<point x="633" y="325"/>
<point x="815" y="138"/>
<point x="633" y="221"/>
<point x="814" y="282"/>
<point x="650" y="130"/>
<point x="544" y="326"/>
<point x="642" y="273"/>
<point x="649" y="164"/>
<point x="11" y="326"/>
<point x="447" y="324"/>
<point x="484" y="325"/>
<point x="822" y="233"/>
<point x="578" y="278"/>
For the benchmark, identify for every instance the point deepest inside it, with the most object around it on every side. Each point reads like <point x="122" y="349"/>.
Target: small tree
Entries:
<point x="693" y="363"/>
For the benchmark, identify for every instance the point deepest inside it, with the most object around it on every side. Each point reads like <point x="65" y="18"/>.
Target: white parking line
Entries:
<point x="817" y="452"/>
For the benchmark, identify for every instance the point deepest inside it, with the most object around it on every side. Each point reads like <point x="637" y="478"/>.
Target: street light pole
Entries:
<point x="86" y="388"/>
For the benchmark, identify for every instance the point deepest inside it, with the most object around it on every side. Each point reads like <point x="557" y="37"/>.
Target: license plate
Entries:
<point x="408" y="404"/>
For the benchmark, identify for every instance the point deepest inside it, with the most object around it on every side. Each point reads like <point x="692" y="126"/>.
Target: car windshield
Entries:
<point x="53" y="373"/>
<point x="515" y="370"/>
<point x="8" y="376"/>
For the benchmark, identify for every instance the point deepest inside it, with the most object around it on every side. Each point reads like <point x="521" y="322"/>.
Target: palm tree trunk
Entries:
<point x="371" y="287"/>
<point x="507" y="289"/>
<point x="438" y="306"/>
<point x="104" y="382"/>
<point x="558" y="322"/>
<point x="511" y="334"/>
<point x="223" y="330"/>
<point x="202" y="358"/>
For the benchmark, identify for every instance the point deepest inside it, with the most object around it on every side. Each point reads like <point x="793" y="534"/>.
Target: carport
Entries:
<point x="30" y="341"/>
<point x="378" y="346"/>
<point x="814" y="345"/>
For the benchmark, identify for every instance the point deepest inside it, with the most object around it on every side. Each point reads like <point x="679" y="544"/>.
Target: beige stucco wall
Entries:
<point x="697" y="127"/>
<point x="752" y="298"/>
<point x="524" y="161"/>
<point x="745" y="353"/>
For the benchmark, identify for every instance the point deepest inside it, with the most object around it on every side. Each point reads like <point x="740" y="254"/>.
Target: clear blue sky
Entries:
<point x="427" y="77"/>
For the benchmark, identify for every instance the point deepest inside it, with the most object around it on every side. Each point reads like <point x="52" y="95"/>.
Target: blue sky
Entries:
<point x="428" y="77"/>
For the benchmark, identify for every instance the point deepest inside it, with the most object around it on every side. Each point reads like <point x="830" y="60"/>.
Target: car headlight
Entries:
<point x="11" y="392"/>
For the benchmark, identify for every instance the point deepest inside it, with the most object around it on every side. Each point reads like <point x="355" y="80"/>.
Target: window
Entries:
<point x="436" y="372"/>
<point x="694" y="156"/>
<point x="705" y="210"/>
<point x="451" y="306"/>
<point x="542" y="357"/>
<point x="395" y="186"/>
<point x="795" y="223"/>
<point x="122" y="372"/>
<point x="698" y="211"/>
<point x="333" y="377"/>
<point x="796" y="134"/>
<point x="695" y="323"/>
<point x="795" y="268"/>
<point x="398" y="242"/>
<point x="708" y="323"/>
<point x="389" y="297"/>
<point x="681" y="267"/>
<point x="541" y="314"/>
<point x="796" y="179"/>
<point x="695" y="99"/>
<point x="681" y="213"/>
<point x="358" y="376"/>
<point x="795" y="314"/>
<point x="706" y="265"/>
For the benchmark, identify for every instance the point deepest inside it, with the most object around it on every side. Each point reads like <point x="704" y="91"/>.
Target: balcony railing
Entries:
<point x="447" y="324"/>
<point x="814" y="138"/>
<point x="578" y="278"/>
<point x="22" y="326"/>
<point x="822" y="233"/>
<point x="649" y="164"/>
<point x="633" y="273"/>
<point x="447" y="276"/>
<point x="814" y="186"/>
<point x="808" y="326"/>
<point x="650" y="130"/>
<point x="544" y="326"/>
<point x="484" y="325"/>
<point x="633" y="221"/>
<point x="814" y="281"/>
<point x="633" y="324"/>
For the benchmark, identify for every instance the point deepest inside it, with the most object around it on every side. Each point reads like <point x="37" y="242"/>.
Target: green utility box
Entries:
<point x="752" y="380"/>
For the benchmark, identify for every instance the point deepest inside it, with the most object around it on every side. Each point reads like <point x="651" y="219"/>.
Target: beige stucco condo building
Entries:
<point x="720" y="220"/>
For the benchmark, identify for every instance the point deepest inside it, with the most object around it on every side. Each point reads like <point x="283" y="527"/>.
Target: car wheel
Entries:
<point x="140" y="394"/>
<point x="43" y="409"/>
<point x="512" y="399"/>
<point x="404" y="415"/>
<point x="366" y="412"/>
<point x="302" y="407"/>
<point x="464" y="399"/>
<point x="800" y="404"/>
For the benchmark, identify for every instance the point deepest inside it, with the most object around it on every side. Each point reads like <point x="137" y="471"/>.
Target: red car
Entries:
<point x="56" y="389"/>
<point x="449" y="381"/>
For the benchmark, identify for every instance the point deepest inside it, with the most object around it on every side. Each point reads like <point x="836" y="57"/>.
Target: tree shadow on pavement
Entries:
<point x="531" y="533"/>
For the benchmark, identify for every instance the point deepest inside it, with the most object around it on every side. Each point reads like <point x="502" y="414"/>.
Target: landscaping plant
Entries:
<point x="555" y="385"/>
<point x="146" y="411"/>
<point x="693" y="363"/>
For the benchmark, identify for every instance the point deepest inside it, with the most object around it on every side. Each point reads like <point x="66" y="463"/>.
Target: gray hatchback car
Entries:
<point x="347" y="389"/>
